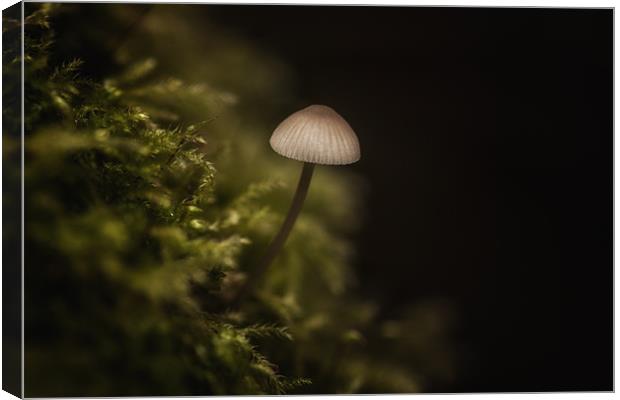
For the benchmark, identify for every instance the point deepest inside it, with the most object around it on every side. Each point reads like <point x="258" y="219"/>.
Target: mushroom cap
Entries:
<point x="317" y="134"/>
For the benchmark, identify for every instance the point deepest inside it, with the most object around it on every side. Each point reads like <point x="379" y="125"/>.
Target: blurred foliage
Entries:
<point x="148" y="200"/>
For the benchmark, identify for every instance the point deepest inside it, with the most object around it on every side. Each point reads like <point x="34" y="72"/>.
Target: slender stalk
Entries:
<point x="276" y="244"/>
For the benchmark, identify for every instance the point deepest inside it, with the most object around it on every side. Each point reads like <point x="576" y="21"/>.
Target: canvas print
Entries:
<point x="230" y="199"/>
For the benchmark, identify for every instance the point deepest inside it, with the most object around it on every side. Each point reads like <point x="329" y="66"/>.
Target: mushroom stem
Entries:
<point x="276" y="244"/>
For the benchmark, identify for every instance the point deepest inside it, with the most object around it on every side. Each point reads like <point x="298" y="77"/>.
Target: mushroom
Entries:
<point x="315" y="135"/>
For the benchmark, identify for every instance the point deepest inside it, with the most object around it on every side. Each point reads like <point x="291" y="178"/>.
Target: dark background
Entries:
<point x="487" y="144"/>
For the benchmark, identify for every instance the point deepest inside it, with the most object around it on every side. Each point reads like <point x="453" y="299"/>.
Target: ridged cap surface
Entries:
<point x="316" y="134"/>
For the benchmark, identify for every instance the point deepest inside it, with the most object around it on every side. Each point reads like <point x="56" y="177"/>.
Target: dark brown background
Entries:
<point x="487" y="142"/>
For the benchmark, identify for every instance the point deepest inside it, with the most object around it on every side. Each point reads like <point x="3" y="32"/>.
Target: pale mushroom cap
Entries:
<point x="316" y="134"/>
